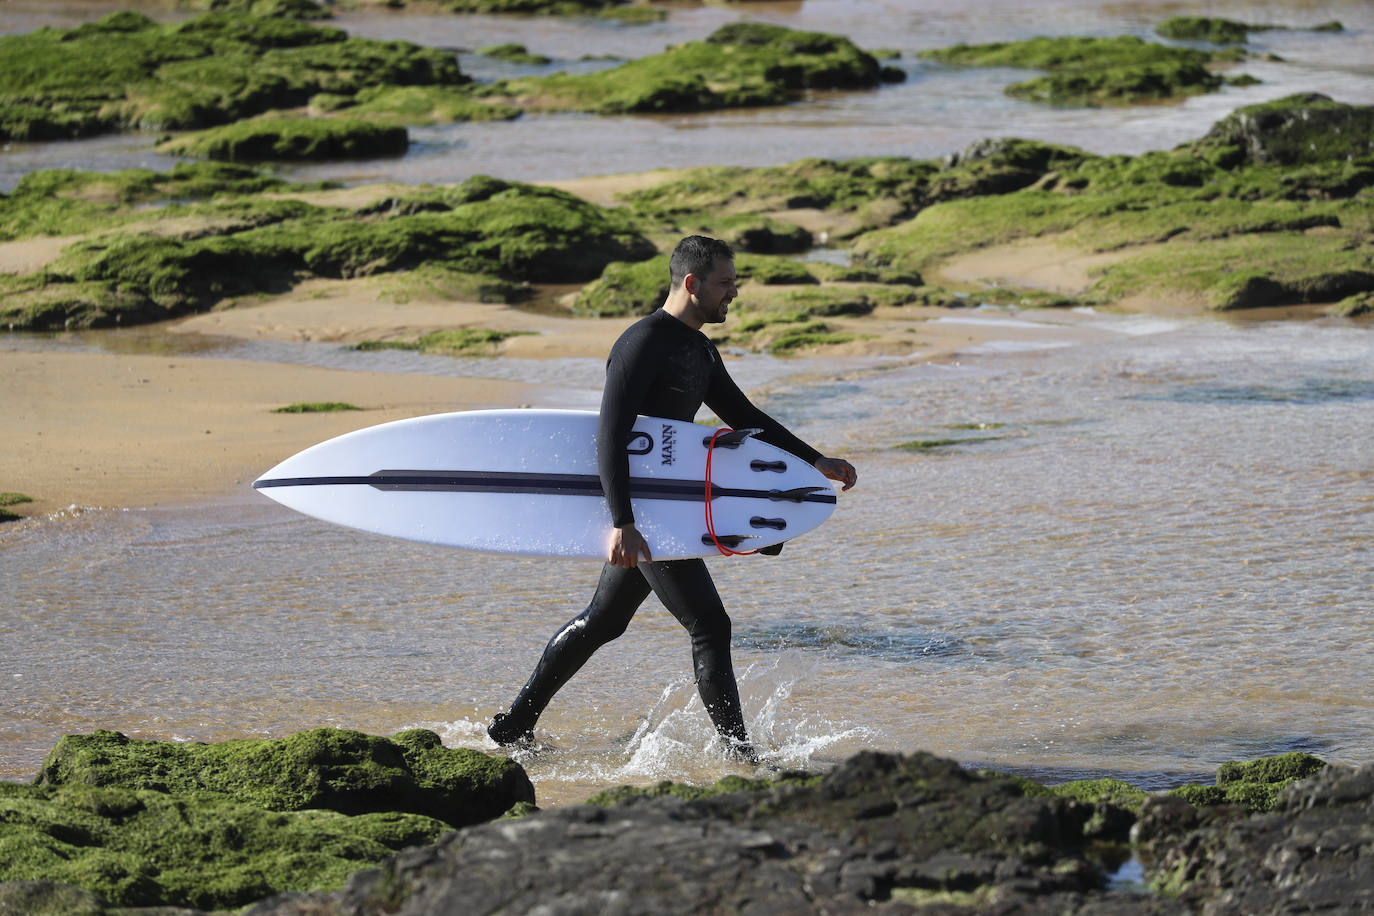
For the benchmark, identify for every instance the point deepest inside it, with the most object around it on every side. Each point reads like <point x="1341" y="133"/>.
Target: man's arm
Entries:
<point x="735" y="408"/>
<point x="628" y="374"/>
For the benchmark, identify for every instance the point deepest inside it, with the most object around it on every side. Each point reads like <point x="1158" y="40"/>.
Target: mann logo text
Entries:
<point x="669" y="440"/>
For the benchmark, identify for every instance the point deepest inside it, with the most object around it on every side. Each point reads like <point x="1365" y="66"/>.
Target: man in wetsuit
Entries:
<point x="663" y="366"/>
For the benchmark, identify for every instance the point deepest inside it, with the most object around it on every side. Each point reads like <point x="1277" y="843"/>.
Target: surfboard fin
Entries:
<point x="733" y="439"/>
<point x="794" y="495"/>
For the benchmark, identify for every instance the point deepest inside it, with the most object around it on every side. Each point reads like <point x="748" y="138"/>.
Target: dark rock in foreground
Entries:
<point x="1312" y="853"/>
<point x="881" y="829"/>
<point x="891" y="834"/>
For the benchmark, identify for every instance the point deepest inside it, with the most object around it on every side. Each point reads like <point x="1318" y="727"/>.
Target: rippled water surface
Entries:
<point x="1142" y="555"/>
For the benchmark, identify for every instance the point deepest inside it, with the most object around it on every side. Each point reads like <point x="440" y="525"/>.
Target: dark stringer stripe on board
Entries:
<point x="543" y="484"/>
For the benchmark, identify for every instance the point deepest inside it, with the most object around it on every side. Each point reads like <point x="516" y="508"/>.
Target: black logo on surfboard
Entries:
<point x="639" y="443"/>
<point x="669" y="443"/>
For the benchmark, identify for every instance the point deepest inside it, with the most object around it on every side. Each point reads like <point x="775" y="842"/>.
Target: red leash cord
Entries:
<point x="710" y="522"/>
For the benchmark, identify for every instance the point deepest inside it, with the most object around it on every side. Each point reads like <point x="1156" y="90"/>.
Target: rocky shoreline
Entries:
<point x="335" y="822"/>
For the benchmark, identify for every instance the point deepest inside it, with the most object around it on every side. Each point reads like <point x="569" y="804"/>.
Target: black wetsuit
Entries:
<point x="659" y="367"/>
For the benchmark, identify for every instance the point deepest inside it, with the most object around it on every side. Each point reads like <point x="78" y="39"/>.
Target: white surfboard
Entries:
<point x="526" y="482"/>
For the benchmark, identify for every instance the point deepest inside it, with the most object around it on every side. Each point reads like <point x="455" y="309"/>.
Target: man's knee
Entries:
<point x="601" y="627"/>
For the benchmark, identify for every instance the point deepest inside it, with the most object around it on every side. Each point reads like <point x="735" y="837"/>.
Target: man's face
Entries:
<point x="715" y="290"/>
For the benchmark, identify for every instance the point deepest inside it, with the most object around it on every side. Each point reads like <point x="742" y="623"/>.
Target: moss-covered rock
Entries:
<point x="1214" y="29"/>
<point x="530" y="7"/>
<point x="741" y="64"/>
<point x="451" y="342"/>
<point x="417" y="105"/>
<point x="1308" y="128"/>
<point x="141" y="847"/>
<point x="1093" y="71"/>
<point x="514" y="53"/>
<point x="12" y="499"/>
<point x="291" y="139"/>
<point x="216" y="826"/>
<point x="1253" y="785"/>
<point x="514" y="233"/>
<point x="1220" y="31"/>
<point x="870" y="192"/>
<point x="65" y="201"/>
<point x="285" y="9"/>
<point x="338" y="770"/>
<point x="1354" y="306"/>
<point x="127" y="71"/>
<point x="774" y="271"/>
<point x="1232" y="231"/>
<point x="625" y="288"/>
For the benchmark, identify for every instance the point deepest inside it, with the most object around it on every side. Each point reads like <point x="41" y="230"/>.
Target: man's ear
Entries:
<point x="690" y="283"/>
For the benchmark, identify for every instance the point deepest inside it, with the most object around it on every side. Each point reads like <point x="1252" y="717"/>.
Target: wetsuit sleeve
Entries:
<point x="738" y="412"/>
<point x="630" y="370"/>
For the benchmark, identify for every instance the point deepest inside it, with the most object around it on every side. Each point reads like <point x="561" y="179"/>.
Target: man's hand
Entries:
<point x="838" y="469"/>
<point x="627" y="546"/>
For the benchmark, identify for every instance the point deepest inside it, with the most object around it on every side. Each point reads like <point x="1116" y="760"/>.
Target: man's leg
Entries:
<point x="618" y="595"/>
<point x="687" y="591"/>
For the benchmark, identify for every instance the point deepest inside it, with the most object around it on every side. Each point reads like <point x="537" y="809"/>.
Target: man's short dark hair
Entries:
<point x="697" y="255"/>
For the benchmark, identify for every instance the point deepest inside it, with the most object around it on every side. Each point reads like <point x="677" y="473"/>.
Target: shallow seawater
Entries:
<point x="1141" y="556"/>
<point x="1138" y="556"/>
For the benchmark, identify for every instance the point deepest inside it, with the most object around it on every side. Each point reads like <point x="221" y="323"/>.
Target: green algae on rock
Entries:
<point x="288" y="139"/>
<point x="1219" y="31"/>
<point x="417" y="105"/>
<point x="625" y="288"/>
<point x="513" y="232"/>
<point x="1224" y="221"/>
<point x="65" y="201"/>
<point x="344" y="771"/>
<point x="1254" y="784"/>
<point x="1093" y="71"/>
<point x="218" y="826"/>
<point x="451" y="342"/>
<point x="127" y="71"/>
<point x="316" y="407"/>
<point x="287" y="9"/>
<point x="514" y="53"/>
<point x="1302" y="129"/>
<point x="145" y="848"/>
<point x="1213" y="29"/>
<point x="12" y="499"/>
<point x="544" y="7"/>
<point x="738" y="65"/>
